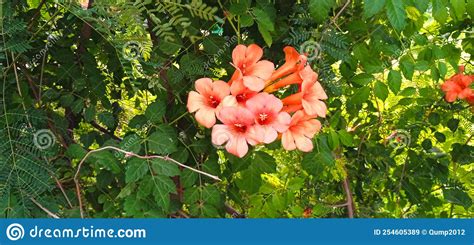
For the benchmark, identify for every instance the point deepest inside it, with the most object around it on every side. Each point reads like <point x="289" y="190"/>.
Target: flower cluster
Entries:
<point x="458" y="86"/>
<point x="248" y="110"/>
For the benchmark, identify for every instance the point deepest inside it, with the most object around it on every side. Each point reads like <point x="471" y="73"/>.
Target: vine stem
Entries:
<point x="127" y="154"/>
<point x="44" y="209"/>
<point x="177" y="119"/>
<point x="350" y="201"/>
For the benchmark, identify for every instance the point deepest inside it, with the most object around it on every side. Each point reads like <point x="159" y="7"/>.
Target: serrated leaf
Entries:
<point x="381" y="90"/>
<point x="163" y="187"/>
<point x="396" y="14"/>
<point x="360" y="96"/>
<point x="263" y="163"/>
<point x="267" y="37"/>
<point x="459" y="8"/>
<point x="440" y="13"/>
<point x="156" y="111"/>
<point x="163" y="141"/>
<point x="135" y="170"/>
<point x="163" y="167"/>
<point x="346" y="138"/>
<point x="319" y="9"/>
<point x="372" y="7"/>
<point x="394" y="81"/>
<point x="458" y="197"/>
<point x="314" y="162"/>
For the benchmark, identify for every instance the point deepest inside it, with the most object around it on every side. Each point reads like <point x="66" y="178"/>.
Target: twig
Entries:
<point x="44" y="209"/>
<point x="181" y="213"/>
<point x="230" y="210"/>
<point x="350" y="201"/>
<point x="127" y="154"/>
<point x="64" y="192"/>
<point x="105" y="131"/>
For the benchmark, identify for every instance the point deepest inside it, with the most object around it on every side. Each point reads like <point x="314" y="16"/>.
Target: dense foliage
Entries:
<point x="78" y="76"/>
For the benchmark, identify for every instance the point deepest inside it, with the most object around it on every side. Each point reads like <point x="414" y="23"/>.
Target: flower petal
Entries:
<point x="204" y="86"/>
<point x="253" y="54"/>
<point x="287" y="141"/>
<point x="195" y="101"/>
<point x="262" y="69"/>
<point x="220" y="134"/>
<point x="254" y="83"/>
<point x="303" y="144"/>
<point x="221" y="89"/>
<point x="206" y="117"/>
<point x="238" y="55"/>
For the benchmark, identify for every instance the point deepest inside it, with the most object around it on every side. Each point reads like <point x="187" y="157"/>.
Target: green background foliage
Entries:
<point x="117" y="73"/>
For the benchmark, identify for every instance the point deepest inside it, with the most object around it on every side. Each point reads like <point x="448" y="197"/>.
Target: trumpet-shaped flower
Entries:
<point x="293" y="62"/>
<point x="240" y="93"/>
<point x="295" y="78"/>
<point x="458" y="87"/>
<point x="310" y="98"/>
<point x="269" y="118"/>
<point x="238" y="130"/>
<point x="209" y="98"/>
<point x="250" y="68"/>
<point x="300" y="132"/>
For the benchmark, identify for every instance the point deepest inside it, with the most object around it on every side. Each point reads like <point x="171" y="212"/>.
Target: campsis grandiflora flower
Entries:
<point x="247" y="109"/>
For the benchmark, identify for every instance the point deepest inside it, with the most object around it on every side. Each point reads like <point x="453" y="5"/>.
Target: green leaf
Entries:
<point x="314" y="163"/>
<point x="164" y="167"/>
<point x="333" y="140"/>
<point x="422" y="5"/>
<point x="188" y="178"/>
<point x="246" y="20"/>
<point x="362" y="79"/>
<point x="372" y="7"/>
<point x="381" y="90"/>
<point x="107" y="119"/>
<point x="462" y="154"/>
<point x="76" y="151"/>
<point x="407" y="66"/>
<point x="163" y="141"/>
<point x="394" y="81"/>
<point x="440" y="137"/>
<point x="396" y="14"/>
<point x="319" y="9"/>
<point x="434" y="118"/>
<point x="346" y="138"/>
<point x="249" y="181"/>
<point x="89" y="114"/>
<point x="135" y="170"/>
<point x="163" y="187"/>
<point x="459" y="8"/>
<point x="107" y="160"/>
<point x="470" y="8"/>
<point x="458" y="197"/>
<point x="131" y="143"/>
<point x="191" y="195"/>
<point x="440" y="13"/>
<point x="453" y="124"/>
<point x="263" y="19"/>
<point x="266" y="35"/>
<point x="263" y="163"/>
<point x="156" y="111"/>
<point x="360" y="96"/>
<point x="211" y="195"/>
